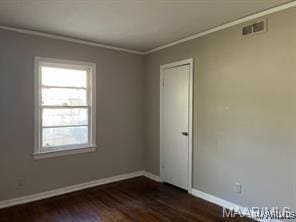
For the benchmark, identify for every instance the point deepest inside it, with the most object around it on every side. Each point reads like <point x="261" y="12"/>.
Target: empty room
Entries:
<point x="147" y="110"/>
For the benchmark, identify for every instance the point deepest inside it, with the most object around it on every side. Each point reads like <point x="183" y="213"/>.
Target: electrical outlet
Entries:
<point x="238" y="188"/>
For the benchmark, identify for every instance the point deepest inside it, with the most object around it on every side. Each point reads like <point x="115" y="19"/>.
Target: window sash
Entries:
<point x="63" y="87"/>
<point x="64" y="146"/>
<point x="87" y="99"/>
<point x="62" y="107"/>
<point x="66" y="66"/>
<point x="64" y="126"/>
<point x="90" y="106"/>
<point x="65" y="107"/>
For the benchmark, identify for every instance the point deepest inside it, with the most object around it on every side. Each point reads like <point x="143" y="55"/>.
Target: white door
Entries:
<point x="175" y="125"/>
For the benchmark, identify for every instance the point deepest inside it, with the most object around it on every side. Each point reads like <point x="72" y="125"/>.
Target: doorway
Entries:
<point x="176" y="94"/>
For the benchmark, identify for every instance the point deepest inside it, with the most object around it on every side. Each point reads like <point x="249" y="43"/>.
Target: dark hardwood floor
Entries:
<point x="139" y="199"/>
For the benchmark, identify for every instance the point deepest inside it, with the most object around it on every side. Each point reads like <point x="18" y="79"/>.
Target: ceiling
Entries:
<point x="137" y="25"/>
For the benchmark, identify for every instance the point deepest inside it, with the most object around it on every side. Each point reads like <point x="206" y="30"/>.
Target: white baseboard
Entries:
<point x="224" y="203"/>
<point x="215" y="200"/>
<point x="152" y="176"/>
<point x="73" y="188"/>
<point x="69" y="189"/>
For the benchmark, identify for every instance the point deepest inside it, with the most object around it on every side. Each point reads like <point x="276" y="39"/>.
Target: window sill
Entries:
<point x="43" y="155"/>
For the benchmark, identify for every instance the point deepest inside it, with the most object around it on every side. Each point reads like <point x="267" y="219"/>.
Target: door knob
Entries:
<point x="184" y="133"/>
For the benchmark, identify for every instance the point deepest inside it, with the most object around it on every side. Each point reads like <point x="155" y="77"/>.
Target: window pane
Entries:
<point x="63" y="97"/>
<point x="63" y="77"/>
<point x="62" y="117"/>
<point x="64" y="136"/>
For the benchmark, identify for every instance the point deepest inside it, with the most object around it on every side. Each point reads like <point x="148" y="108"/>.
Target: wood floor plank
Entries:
<point x="138" y="199"/>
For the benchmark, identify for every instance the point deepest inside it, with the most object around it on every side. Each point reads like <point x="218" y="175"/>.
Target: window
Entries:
<point x="64" y="107"/>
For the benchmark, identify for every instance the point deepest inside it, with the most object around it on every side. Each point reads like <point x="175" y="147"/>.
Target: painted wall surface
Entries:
<point x="244" y="112"/>
<point x="119" y="116"/>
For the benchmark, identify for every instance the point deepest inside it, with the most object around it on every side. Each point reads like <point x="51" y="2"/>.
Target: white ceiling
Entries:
<point x="131" y="24"/>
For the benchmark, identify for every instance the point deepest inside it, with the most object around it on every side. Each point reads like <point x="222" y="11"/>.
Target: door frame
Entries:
<point x="190" y="116"/>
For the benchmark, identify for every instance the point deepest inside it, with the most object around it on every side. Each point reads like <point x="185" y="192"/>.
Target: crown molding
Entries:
<point x="195" y="36"/>
<point x="69" y="39"/>
<point x="224" y="26"/>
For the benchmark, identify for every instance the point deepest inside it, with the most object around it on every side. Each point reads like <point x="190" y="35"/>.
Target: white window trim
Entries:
<point x="75" y="149"/>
